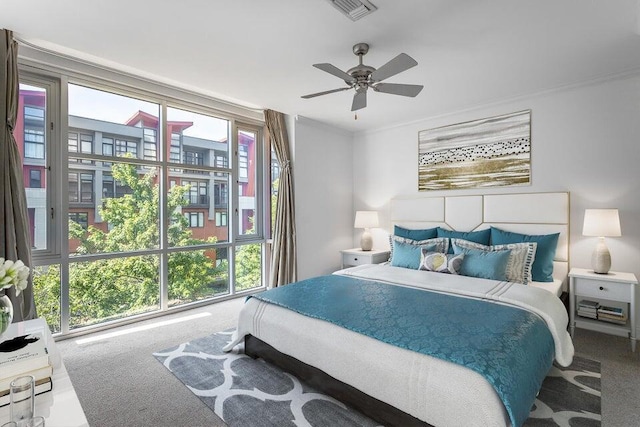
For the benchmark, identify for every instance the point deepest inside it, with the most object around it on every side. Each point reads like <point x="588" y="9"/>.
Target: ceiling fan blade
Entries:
<point x="359" y="100"/>
<point x="398" y="89"/>
<point x="332" y="69"/>
<point x="397" y="65"/>
<point x="326" y="92"/>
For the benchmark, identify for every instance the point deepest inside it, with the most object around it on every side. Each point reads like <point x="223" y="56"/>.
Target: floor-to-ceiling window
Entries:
<point x="140" y="195"/>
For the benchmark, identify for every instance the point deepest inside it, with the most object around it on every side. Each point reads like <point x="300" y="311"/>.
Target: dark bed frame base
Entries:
<point x="371" y="407"/>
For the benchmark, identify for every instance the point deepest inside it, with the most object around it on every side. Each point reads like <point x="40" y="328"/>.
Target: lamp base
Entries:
<point x="366" y="241"/>
<point x="601" y="258"/>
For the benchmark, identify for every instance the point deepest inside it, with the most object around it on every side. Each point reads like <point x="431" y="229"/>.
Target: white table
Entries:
<point x="356" y="256"/>
<point x="60" y="407"/>
<point x="616" y="287"/>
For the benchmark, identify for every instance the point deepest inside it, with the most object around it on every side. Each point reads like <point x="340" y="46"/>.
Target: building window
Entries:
<point x="34" y="115"/>
<point x="33" y="132"/>
<point x="221" y="194"/>
<point x="34" y="143"/>
<point x="221" y="219"/>
<point x="81" y="187"/>
<point x="243" y="162"/>
<point x="195" y="219"/>
<point x="174" y="153"/>
<point x="198" y="193"/>
<point x="107" y="149"/>
<point x="73" y="187"/>
<point x="73" y="142"/>
<point x="150" y="144"/>
<point x="81" y="218"/>
<point x="86" y="187"/>
<point x="221" y="159"/>
<point x="35" y="178"/>
<point x="123" y="147"/>
<point x="84" y="146"/>
<point x="112" y="188"/>
<point x="194" y="158"/>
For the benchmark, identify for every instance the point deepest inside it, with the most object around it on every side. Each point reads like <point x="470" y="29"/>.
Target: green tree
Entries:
<point x="248" y="266"/>
<point x="117" y="287"/>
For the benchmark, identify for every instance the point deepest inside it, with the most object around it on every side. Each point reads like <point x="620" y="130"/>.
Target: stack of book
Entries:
<point x="587" y="308"/>
<point x="24" y="355"/>
<point x="612" y="314"/>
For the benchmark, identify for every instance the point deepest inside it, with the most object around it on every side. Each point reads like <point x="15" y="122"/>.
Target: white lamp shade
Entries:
<point x="366" y="219"/>
<point x="601" y="223"/>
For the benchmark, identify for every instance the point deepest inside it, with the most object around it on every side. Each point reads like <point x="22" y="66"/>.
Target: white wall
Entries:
<point x="585" y="140"/>
<point x="323" y="186"/>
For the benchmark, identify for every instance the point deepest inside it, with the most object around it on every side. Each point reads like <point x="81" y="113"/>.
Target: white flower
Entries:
<point x="13" y="274"/>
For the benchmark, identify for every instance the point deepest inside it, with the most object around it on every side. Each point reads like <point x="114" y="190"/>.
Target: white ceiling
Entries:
<point x="260" y="53"/>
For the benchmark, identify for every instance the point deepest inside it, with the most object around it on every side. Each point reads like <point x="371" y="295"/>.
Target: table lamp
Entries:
<point x="601" y="223"/>
<point x="366" y="220"/>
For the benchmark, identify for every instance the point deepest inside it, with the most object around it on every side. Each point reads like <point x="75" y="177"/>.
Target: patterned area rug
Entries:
<point x="247" y="392"/>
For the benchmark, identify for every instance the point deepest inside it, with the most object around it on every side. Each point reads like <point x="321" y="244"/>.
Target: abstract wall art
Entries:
<point x="489" y="152"/>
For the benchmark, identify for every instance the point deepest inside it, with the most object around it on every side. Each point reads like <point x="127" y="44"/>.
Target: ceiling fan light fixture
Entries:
<point x="362" y="77"/>
<point x="354" y="9"/>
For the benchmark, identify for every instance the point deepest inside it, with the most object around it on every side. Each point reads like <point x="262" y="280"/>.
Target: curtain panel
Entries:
<point x="14" y="224"/>
<point x="283" y="252"/>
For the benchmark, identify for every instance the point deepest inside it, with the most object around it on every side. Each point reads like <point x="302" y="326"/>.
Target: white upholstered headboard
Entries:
<point x="530" y="213"/>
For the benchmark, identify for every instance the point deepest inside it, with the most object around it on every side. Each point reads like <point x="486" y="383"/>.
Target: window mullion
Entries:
<point x="163" y="137"/>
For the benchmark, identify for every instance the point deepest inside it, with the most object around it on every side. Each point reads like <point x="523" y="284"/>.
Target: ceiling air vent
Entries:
<point x="354" y="9"/>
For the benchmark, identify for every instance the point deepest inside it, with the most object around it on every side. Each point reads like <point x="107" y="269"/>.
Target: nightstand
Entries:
<point x="352" y="257"/>
<point x="614" y="287"/>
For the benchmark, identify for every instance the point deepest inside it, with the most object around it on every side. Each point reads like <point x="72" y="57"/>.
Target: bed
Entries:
<point x="395" y="383"/>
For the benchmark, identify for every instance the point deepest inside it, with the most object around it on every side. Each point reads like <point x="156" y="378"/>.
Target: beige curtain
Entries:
<point x="14" y="223"/>
<point x="283" y="253"/>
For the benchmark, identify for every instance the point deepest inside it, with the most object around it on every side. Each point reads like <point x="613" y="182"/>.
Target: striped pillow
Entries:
<point x="520" y="261"/>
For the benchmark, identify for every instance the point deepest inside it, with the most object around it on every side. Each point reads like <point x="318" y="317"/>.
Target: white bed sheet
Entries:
<point x="438" y="392"/>
<point x="554" y="287"/>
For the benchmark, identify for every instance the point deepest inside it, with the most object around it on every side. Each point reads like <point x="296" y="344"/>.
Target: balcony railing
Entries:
<point x="198" y="199"/>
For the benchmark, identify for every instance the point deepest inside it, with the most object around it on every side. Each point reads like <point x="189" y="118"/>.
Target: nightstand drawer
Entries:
<point x="353" y="259"/>
<point x="603" y="289"/>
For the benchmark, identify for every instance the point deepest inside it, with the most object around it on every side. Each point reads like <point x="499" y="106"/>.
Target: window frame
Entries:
<point x="57" y="162"/>
<point x="52" y="176"/>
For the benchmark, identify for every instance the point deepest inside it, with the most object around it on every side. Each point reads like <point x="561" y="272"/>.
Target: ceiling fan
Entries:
<point x="362" y="77"/>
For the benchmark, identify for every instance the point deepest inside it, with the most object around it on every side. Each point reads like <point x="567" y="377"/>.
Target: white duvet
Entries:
<point x="438" y="392"/>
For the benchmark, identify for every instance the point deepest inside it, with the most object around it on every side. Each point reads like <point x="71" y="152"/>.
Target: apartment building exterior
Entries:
<point x="90" y="181"/>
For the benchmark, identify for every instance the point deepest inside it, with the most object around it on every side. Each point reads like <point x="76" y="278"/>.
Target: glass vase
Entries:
<point x="6" y="313"/>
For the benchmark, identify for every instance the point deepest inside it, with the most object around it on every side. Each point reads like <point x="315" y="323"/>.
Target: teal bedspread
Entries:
<point x="511" y="347"/>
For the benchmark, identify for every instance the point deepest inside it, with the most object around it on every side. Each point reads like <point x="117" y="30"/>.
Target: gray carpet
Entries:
<point x="247" y="392"/>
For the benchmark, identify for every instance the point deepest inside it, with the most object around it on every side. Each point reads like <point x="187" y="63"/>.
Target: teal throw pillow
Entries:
<point x="542" y="269"/>
<point x="481" y="236"/>
<point x="421" y="234"/>
<point x="486" y="265"/>
<point x="407" y="252"/>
